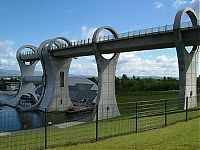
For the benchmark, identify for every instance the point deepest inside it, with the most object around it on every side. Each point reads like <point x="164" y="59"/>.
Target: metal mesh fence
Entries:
<point x="69" y="128"/>
<point x="21" y="137"/>
<point x="77" y="128"/>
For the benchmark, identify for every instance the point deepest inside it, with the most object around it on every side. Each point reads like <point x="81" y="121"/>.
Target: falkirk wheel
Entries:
<point x="55" y="72"/>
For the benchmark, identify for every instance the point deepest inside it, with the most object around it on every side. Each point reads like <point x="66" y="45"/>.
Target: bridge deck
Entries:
<point x="147" y="39"/>
<point x="127" y="44"/>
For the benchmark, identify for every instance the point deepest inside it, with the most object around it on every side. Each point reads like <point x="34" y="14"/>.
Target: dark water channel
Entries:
<point x="14" y="120"/>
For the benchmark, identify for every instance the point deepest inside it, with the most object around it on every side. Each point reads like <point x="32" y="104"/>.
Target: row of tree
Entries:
<point x="127" y="84"/>
<point x="4" y="81"/>
<point x="135" y="84"/>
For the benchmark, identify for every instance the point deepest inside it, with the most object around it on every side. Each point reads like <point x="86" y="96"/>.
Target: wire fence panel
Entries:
<point x="77" y="128"/>
<point x="193" y="112"/>
<point x="52" y="129"/>
<point x="150" y="115"/>
<point x="117" y="125"/>
<point x="23" y="135"/>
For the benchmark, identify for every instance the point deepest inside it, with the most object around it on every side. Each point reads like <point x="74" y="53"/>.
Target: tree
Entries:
<point x="134" y="77"/>
<point x="124" y="77"/>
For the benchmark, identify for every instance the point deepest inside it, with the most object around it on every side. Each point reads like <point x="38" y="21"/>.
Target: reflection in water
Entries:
<point x="13" y="120"/>
<point x="30" y="120"/>
<point x="9" y="119"/>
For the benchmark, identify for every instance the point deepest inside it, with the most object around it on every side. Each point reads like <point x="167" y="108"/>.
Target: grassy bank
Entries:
<point x="181" y="136"/>
<point x="126" y="123"/>
<point x="146" y="96"/>
<point x="34" y="139"/>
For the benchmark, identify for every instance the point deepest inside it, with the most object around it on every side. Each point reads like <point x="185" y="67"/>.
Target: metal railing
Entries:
<point x="121" y="36"/>
<point x="65" y="128"/>
<point x="125" y="35"/>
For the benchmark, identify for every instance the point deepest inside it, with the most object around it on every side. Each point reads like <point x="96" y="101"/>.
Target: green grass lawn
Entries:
<point x="181" y="136"/>
<point x="86" y="132"/>
<point x="146" y="96"/>
<point x="126" y="123"/>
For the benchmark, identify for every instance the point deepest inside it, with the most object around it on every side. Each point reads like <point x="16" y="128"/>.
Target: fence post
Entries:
<point x="45" y="127"/>
<point x="186" y="110"/>
<point x="97" y="123"/>
<point x="165" y="112"/>
<point x="136" y="118"/>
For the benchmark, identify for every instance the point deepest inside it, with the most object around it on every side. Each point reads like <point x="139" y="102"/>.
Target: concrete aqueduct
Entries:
<point x="56" y="57"/>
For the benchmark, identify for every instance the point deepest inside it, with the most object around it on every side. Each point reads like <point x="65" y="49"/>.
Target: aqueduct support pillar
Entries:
<point x="106" y="99"/>
<point x="188" y="62"/>
<point x="56" y="95"/>
<point x="27" y="70"/>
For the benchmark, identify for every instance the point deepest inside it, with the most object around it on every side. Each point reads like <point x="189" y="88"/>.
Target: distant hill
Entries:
<point x="37" y="73"/>
<point x="155" y="77"/>
<point x="9" y="72"/>
<point x="15" y="73"/>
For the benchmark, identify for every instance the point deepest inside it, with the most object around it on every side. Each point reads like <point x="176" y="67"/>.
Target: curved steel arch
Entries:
<point x="177" y="28"/>
<point x="53" y="41"/>
<point x="18" y="54"/>
<point x="95" y="37"/>
<point x="44" y="43"/>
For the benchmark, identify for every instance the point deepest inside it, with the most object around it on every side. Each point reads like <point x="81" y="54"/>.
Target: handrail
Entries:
<point x="124" y="35"/>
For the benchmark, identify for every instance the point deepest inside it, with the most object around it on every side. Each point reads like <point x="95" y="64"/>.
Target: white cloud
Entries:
<point x="178" y="3"/>
<point x="8" y="64"/>
<point x="195" y="4"/>
<point x="187" y="3"/>
<point x="6" y="49"/>
<point x="65" y="34"/>
<point x="7" y="56"/>
<point x="3" y="62"/>
<point x="158" y="5"/>
<point x="87" y="32"/>
<point x="83" y="69"/>
<point x="131" y="64"/>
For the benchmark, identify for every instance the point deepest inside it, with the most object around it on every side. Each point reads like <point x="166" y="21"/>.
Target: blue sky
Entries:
<point x="33" y="21"/>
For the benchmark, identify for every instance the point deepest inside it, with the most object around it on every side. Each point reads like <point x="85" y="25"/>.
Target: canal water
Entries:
<point x="13" y="120"/>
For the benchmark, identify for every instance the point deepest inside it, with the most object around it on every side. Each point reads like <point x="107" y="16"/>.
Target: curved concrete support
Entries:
<point x="36" y="105"/>
<point x="26" y="71"/>
<point x="188" y="62"/>
<point x="106" y="99"/>
<point x="56" y="95"/>
<point x="33" y="79"/>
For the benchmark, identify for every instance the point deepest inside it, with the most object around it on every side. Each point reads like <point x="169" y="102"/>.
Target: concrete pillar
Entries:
<point x="27" y="70"/>
<point x="188" y="62"/>
<point x="56" y="94"/>
<point x="106" y="99"/>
